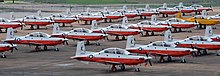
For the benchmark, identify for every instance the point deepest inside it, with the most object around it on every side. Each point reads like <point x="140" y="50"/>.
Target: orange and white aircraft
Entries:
<point x="89" y="16"/>
<point x="159" y="48"/>
<point x="116" y="30"/>
<point x="184" y="9"/>
<point x="32" y="21"/>
<point x="111" y="56"/>
<point x="167" y="11"/>
<point x="5" y="24"/>
<point x="147" y="26"/>
<point x="4" y="47"/>
<point x="36" y="38"/>
<point x="78" y="34"/>
<point x="200" y="8"/>
<point x="111" y="15"/>
<point x="210" y="36"/>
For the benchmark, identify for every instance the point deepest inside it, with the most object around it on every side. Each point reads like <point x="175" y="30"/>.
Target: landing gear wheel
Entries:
<point x="38" y="27"/>
<point x="161" y="59"/>
<point x="122" y="67"/>
<point x="116" y="38"/>
<point x="169" y="58"/>
<point x="183" y="61"/>
<point x="198" y="53"/>
<point x="113" y="68"/>
<point x="97" y="44"/>
<point x="56" y="49"/>
<point x="87" y="42"/>
<point x="45" y="47"/>
<point x="152" y="33"/>
<point x="137" y="70"/>
<point x="193" y="54"/>
<point x="123" y="37"/>
<point x="3" y="56"/>
<point x="204" y="52"/>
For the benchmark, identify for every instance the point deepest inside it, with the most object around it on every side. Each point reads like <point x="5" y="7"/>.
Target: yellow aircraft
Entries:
<point x="200" y="19"/>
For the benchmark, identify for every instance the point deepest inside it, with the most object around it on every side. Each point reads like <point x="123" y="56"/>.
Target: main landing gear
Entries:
<point x="3" y="55"/>
<point x="113" y="68"/>
<point x="117" y="38"/>
<point x="201" y="52"/>
<point x="169" y="59"/>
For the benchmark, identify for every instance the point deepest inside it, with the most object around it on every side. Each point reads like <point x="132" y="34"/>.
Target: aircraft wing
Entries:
<point x="109" y="62"/>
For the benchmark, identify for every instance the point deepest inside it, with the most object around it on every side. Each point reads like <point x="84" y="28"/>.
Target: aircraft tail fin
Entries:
<point x="168" y="36"/>
<point x="10" y="33"/>
<point x="12" y="16"/>
<point x="88" y="10"/>
<point x="124" y="21"/>
<point x="130" y="42"/>
<point x="153" y="18"/>
<point x="94" y="25"/>
<point x="164" y="5"/>
<point x="80" y="49"/>
<point x="204" y="13"/>
<point x="68" y="11"/>
<point x="56" y="28"/>
<point x="105" y="9"/>
<point x="125" y="7"/>
<point x="208" y="31"/>
<point x="181" y="4"/>
<point x="39" y="13"/>
<point x="147" y="6"/>
<point x="179" y="15"/>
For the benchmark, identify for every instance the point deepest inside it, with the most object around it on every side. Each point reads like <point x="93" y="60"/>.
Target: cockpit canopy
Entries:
<point x="175" y="20"/>
<point x="118" y="26"/>
<point x="83" y="30"/>
<point x="197" y="38"/>
<point x="4" y="20"/>
<point x="58" y="15"/>
<point x="115" y="51"/>
<point x="38" y="34"/>
<point x="196" y="5"/>
<point x="32" y="17"/>
<point x="161" y="43"/>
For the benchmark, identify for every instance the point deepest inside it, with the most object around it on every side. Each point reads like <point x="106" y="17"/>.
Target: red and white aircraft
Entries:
<point x="215" y="17"/>
<point x="4" y="47"/>
<point x="88" y="16"/>
<point x="147" y="11"/>
<point x="64" y="19"/>
<point x="159" y="48"/>
<point x="210" y="36"/>
<point x="180" y="24"/>
<point x="36" y="38"/>
<point x="200" y="8"/>
<point x="111" y="56"/>
<point x="111" y="15"/>
<point x="129" y="13"/>
<point x="147" y="26"/>
<point x="5" y="24"/>
<point x="167" y="11"/>
<point x="115" y="29"/>
<point x="34" y="21"/>
<point x="201" y="43"/>
<point x="183" y="9"/>
<point x="78" y="34"/>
